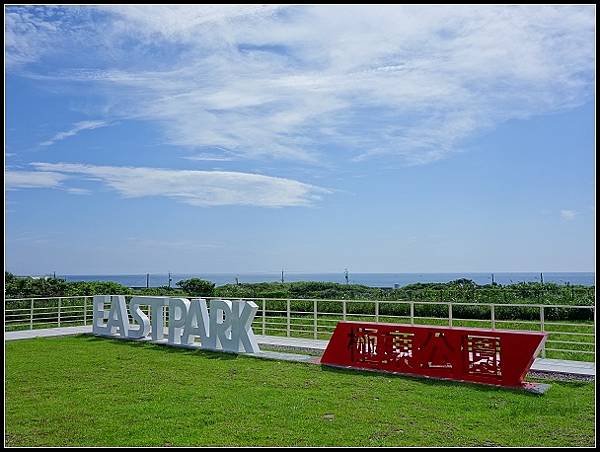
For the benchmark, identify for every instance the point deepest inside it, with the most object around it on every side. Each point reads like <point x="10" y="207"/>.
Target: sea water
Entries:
<point x="367" y="279"/>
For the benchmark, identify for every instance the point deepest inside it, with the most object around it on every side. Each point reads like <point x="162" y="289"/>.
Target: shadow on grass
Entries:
<point x="163" y="348"/>
<point x="428" y="380"/>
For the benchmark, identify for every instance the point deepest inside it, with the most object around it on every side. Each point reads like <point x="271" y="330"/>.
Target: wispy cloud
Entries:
<point x="15" y="179"/>
<point x="224" y="156"/>
<point x="317" y="84"/>
<point x="78" y="191"/>
<point x="77" y="127"/>
<point x="197" y="188"/>
<point x="568" y="215"/>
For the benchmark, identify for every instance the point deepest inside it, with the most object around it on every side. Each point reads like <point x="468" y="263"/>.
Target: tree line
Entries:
<point x="460" y="290"/>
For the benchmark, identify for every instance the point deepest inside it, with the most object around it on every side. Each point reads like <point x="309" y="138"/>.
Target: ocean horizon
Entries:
<point x="368" y="279"/>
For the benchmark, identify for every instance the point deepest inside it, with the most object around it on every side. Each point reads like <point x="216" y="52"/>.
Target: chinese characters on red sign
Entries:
<point x="497" y="357"/>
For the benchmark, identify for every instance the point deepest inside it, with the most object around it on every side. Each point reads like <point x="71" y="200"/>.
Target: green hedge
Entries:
<point x="459" y="291"/>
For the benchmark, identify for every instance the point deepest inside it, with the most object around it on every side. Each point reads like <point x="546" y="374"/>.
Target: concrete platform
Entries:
<point x="279" y="345"/>
<point x="46" y="332"/>
<point x="564" y="366"/>
<point x="293" y="344"/>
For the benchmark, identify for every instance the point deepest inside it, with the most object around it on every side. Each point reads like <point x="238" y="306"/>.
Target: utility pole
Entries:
<point x="282" y="275"/>
<point x="493" y="279"/>
<point x="54" y="275"/>
<point x="147" y="280"/>
<point x="346" y="275"/>
<point x="542" y="278"/>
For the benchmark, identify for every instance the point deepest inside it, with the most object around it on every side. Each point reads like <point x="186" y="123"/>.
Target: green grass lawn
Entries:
<point x="87" y="391"/>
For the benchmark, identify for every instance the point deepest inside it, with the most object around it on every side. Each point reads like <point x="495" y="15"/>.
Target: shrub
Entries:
<point x="197" y="287"/>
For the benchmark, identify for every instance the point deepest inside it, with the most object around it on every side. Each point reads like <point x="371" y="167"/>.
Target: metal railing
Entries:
<point x="317" y="318"/>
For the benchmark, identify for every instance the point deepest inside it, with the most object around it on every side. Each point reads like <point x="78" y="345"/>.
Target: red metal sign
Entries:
<point x="496" y="357"/>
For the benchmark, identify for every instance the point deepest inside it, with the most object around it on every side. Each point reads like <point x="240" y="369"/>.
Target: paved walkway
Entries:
<point x="46" y="332"/>
<point x="294" y="344"/>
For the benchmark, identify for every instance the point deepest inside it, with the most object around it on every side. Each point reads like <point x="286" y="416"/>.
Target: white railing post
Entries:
<point x="542" y="329"/>
<point x="264" y="317"/>
<point x="288" y="318"/>
<point x="493" y="315"/>
<point x="449" y="314"/>
<point x="412" y="312"/>
<point x="31" y="316"/>
<point x="59" y="300"/>
<point x="85" y="310"/>
<point x="376" y="311"/>
<point x="315" y="319"/>
<point x="344" y="310"/>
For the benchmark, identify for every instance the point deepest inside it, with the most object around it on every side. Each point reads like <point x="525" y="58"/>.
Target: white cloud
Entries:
<point x="180" y="22"/>
<point x="33" y="33"/>
<point x="78" y="191"/>
<point x="77" y="127"/>
<point x="33" y="179"/>
<point x="319" y="83"/>
<point x="224" y="156"/>
<point x="197" y="188"/>
<point x="568" y="215"/>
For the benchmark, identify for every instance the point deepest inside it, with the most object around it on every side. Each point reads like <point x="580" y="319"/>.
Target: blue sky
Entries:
<point x="313" y="138"/>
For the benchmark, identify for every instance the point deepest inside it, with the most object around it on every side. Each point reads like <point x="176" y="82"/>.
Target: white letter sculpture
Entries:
<point x="242" y="336"/>
<point x="117" y="316"/>
<point x="196" y="323"/>
<point x="178" y="309"/>
<point x="226" y="326"/>
<point x="98" y="326"/>
<point x="138" y="317"/>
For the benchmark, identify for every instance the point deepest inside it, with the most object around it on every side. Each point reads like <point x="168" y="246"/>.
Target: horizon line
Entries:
<point x="303" y="272"/>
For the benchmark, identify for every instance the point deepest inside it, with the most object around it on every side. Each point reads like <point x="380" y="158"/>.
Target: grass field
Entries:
<point x="87" y="391"/>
